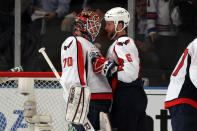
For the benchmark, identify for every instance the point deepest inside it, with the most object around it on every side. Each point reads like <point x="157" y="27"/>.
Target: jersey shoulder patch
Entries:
<point x="123" y="43"/>
<point x="68" y="42"/>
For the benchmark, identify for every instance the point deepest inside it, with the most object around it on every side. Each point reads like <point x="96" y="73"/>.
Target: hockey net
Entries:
<point x="48" y="96"/>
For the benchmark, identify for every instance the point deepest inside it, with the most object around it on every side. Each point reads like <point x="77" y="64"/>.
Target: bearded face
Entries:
<point x="110" y="29"/>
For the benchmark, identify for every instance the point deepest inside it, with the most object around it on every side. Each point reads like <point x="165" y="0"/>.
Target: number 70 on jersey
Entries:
<point x="68" y="62"/>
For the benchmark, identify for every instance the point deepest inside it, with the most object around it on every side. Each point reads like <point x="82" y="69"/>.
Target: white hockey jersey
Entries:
<point x="124" y="53"/>
<point x="158" y="18"/>
<point x="77" y="66"/>
<point x="183" y="81"/>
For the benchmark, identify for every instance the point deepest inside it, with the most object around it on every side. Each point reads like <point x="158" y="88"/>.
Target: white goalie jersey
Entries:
<point x="124" y="53"/>
<point x="183" y="81"/>
<point x="77" y="66"/>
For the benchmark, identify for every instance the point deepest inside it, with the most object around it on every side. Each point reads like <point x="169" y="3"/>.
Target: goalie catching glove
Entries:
<point x="102" y="66"/>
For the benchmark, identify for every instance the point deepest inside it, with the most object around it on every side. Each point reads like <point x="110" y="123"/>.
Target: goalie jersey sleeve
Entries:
<point x="183" y="81"/>
<point x="125" y="54"/>
<point x="73" y="62"/>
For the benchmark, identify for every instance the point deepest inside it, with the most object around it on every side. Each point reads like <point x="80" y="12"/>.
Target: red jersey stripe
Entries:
<point x="105" y="96"/>
<point x="181" y="63"/>
<point x="120" y="61"/>
<point x="181" y="101"/>
<point x="81" y="65"/>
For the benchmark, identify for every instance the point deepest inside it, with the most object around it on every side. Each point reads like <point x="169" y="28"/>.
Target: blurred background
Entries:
<point x="161" y="31"/>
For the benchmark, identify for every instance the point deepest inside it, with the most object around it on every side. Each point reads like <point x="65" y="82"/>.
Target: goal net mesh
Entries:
<point x="48" y="96"/>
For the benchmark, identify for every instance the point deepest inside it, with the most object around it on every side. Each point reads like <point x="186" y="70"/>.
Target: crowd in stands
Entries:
<point x="162" y="29"/>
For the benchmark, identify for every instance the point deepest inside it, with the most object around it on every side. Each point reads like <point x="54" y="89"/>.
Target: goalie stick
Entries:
<point x="15" y="69"/>
<point x="87" y="125"/>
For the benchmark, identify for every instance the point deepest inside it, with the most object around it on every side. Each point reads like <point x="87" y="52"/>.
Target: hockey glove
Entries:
<point x="94" y="53"/>
<point x="102" y="66"/>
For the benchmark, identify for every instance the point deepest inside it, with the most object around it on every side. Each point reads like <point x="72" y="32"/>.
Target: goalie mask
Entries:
<point x="88" y="23"/>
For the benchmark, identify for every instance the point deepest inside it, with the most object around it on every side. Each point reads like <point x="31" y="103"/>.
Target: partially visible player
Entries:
<point x="181" y="99"/>
<point x="122" y="68"/>
<point x="77" y="66"/>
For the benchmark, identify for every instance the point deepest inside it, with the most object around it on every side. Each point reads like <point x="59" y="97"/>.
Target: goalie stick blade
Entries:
<point x="104" y="122"/>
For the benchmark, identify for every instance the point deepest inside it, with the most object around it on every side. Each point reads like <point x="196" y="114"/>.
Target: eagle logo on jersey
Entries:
<point x="123" y="43"/>
<point x="65" y="47"/>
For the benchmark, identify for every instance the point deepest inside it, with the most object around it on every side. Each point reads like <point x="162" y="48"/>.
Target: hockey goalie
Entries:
<point x="77" y="70"/>
<point x="78" y="79"/>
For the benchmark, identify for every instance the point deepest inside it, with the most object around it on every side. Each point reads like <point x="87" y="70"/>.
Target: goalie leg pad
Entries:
<point x="78" y="104"/>
<point x="104" y="122"/>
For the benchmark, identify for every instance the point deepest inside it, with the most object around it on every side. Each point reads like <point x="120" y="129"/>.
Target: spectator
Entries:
<point x="181" y="98"/>
<point x="163" y="34"/>
<point x="6" y="21"/>
<point x="148" y="57"/>
<point x="123" y="71"/>
<point x="68" y="22"/>
<point x="28" y="41"/>
<point x="78" y="69"/>
<point x="52" y="8"/>
<point x="187" y="27"/>
<point x="48" y="25"/>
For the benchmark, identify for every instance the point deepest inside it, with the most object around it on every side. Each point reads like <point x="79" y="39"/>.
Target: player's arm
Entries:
<point x="193" y="68"/>
<point x="127" y="67"/>
<point x="72" y="60"/>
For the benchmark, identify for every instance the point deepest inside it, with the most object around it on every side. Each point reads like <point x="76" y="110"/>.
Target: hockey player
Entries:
<point x="77" y="66"/>
<point x="181" y="99"/>
<point x="163" y="34"/>
<point x="122" y="68"/>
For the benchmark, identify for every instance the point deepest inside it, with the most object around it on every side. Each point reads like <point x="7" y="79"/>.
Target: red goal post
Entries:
<point x="47" y="76"/>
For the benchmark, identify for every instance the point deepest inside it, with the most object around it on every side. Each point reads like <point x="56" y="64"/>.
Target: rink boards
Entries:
<point x="50" y="102"/>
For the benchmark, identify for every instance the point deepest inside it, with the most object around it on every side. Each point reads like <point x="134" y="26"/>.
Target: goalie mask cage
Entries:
<point x="48" y="97"/>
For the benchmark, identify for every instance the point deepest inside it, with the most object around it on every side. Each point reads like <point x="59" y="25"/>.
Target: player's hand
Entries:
<point x="94" y="53"/>
<point x="50" y="15"/>
<point x="104" y="67"/>
<point x="153" y="36"/>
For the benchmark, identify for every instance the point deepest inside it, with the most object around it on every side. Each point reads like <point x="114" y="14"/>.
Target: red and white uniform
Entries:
<point x="158" y="18"/>
<point x="127" y="86"/>
<point x="124" y="53"/>
<point x="183" y="81"/>
<point x="77" y="66"/>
